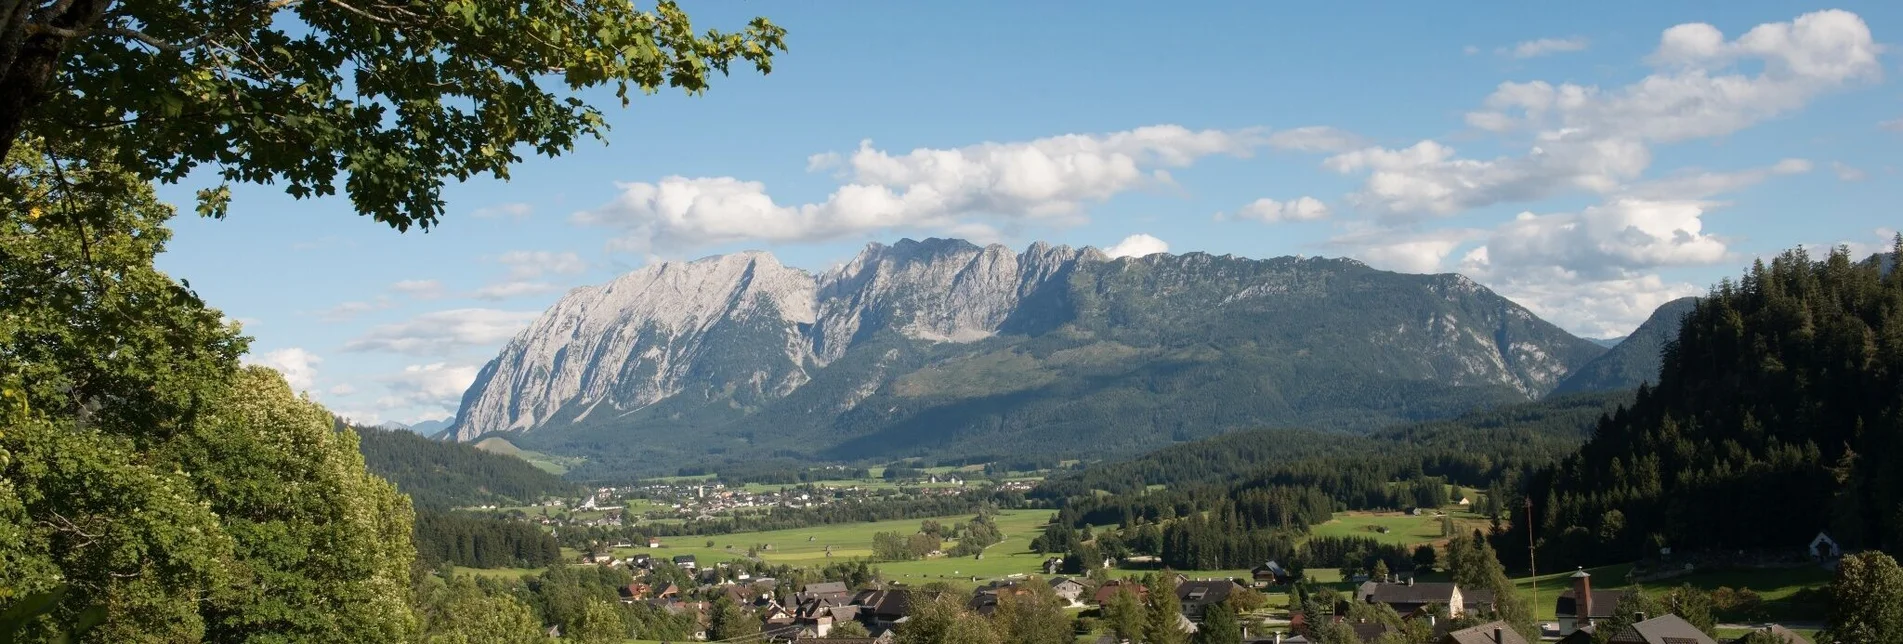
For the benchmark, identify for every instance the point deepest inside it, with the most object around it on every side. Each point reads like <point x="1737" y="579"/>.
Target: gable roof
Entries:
<point x="1415" y="593"/>
<point x="1204" y="592"/>
<point x="1483" y="634"/>
<point x="1782" y="634"/>
<point x="824" y="587"/>
<point x="1110" y="589"/>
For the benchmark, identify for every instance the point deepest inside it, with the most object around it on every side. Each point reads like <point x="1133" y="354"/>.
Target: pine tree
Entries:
<point x="1162" y="618"/>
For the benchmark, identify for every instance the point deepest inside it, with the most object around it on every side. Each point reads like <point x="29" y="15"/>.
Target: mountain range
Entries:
<point x="948" y="348"/>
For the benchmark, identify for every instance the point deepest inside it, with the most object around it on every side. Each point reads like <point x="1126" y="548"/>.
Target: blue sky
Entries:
<point x="1590" y="161"/>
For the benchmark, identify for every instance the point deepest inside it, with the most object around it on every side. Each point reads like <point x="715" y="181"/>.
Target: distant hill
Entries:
<point x="1774" y="418"/>
<point x="1607" y="342"/>
<point x="1536" y="432"/>
<point x="432" y="427"/>
<point x="1635" y="359"/>
<point x="439" y="475"/>
<point x="947" y="349"/>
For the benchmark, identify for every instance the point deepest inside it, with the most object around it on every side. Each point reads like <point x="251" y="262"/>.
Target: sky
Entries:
<point x="1589" y="161"/>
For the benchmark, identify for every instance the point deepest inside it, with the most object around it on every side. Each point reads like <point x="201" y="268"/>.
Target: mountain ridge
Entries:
<point x="945" y="344"/>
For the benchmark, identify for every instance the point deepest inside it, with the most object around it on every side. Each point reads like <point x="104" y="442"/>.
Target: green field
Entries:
<point x="501" y="573"/>
<point x="807" y="547"/>
<point x="557" y="465"/>
<point x="1403" y="529"/>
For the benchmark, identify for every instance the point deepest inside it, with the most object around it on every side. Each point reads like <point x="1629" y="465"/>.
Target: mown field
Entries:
<point x="1775" y="585"/>
<point x="557" y="465"/>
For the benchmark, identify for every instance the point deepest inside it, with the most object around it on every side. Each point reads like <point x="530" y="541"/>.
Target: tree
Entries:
<point x="1163" y="613"/>
<point x="942" y="619"/>
<point x="258" y="89"/>
<point x="1425" y="558"/>
<point x="1695" y="606"/>
<point x="1034" y="616"/>
<point x="599" y="623"/>
<point x="849" y="629"/>
<point x="1380" y="569"/>
<point x="1219" y="626"/>
<point x="457" y="611"/>
<point x="729" y="621"/>
<point x="1632" y="603"/>
<point x="1866" y="600"/>
<point x="1123" y="614"/>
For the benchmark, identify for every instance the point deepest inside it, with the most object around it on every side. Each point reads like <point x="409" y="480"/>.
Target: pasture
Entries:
<point x="807" y="547"/>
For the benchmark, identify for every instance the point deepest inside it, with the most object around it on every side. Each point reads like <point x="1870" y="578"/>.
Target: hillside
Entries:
<point x="439" y="475"/>
<point x="1633" y="360"/>
<point x="946" y="348"/>
<point x="1782" y="399"/>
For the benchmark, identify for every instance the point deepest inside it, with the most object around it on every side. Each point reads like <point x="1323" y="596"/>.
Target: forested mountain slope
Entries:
<point x="1635" y="359"/>
<point x="1778" y="414"/>
<point x="944" y="348"/>
<point x="441" y="475"/>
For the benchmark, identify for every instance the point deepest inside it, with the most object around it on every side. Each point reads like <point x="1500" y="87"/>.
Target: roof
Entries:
<point x="1782" y="634"/>
<point x="681" y="558"/>
<point x="1110" y="589"/>
<point x="1666" y="629"/>
<point x="1370" y="630"/>
<point x="1415" y="593"/>
<point x="824" y="587"/>
<point x="1476" y="597"/>
<point x="1204" y="592"/>
<point x="1059" y="581"/>
<point x="896" y="602"/>
<point x="1483" y="634"/>
<point x="1603" y="603"/>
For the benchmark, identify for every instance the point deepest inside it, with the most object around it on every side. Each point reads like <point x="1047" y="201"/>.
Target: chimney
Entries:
<point x="1498" y="636"/>
<point x="1638" y="617"/>
<point x="1582" y="596"/>
<point x="1410" y="581"/>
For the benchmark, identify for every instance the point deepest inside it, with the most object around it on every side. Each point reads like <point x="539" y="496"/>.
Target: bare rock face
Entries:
<point x="946" y="336"/>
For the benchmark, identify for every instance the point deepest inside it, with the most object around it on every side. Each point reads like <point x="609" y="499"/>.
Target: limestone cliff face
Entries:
<point x="944" y="331"/>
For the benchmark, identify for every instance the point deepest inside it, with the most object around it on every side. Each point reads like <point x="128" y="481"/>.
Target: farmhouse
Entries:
<point x="1581" y="606"/>
<point x="1412" y="598"/>
<point x="1109" y="590"/>
<point x="685" y="562"/>
<point x="1669" y="629"/>
<point x="834" y="592"/>
<point x="1271" y="574"/>
<point x="1197" y="596"/>
<point x="1068" y="589"/>
<point x="884" y="607"/>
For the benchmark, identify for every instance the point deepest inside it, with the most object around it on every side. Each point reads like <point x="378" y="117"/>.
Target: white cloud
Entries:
<point x="298" y="365"/>
<point x="343" y="389"/>
<point x="517" y="211"/>
<point x="1049" y="179"/>
<point x="524" y="264"/>
<point x="1596" y="140"/>
<point x="1315" y="139"/>
<point x="1693" y="184"/>
<point x="419" y="289"/>
<point x="1544" y="46"/>
<point x="1138" y="245"/>
<point x="1847" y="172"/>
<point x="514" y="289"/>
<point x="1470" y="50"/>
<point x="442" y="333"/>
<point x="1893" y="125"/>
<point x="1617" y="306"/>
<point x="1405" y="251"/>
<point x="436" y="386"/>
<point x="1615" y="240"/>
<point x="1271" y="211"/>
<point x="350" y="310"/>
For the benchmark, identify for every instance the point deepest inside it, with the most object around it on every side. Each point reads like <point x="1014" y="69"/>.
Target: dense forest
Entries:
<point x="477" y="542"/>
<point x="440" y="475"/>
<point x="1777" y="415"/>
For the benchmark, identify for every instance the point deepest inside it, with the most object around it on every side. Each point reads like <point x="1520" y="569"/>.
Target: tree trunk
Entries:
<point x="30" y="48"/>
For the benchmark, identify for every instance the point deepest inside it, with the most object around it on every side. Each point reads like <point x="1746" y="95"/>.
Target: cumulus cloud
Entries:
<point x="1049" y="179"/>
<point x="1610" y="241"/>
<point x="1617" y="307"/>
<point x="1695" y="184"/>
<point x="515" y="210"/>
<point x="1847" y="172"/>
<point x="1403" y="250"/>
<point x="1272" y="211"/>
<point x="419" y="289"/>
<point x="1592" y="139"/>
<point x="1544" y="47"/>
<point x="438" y="386"/>
<point x="298" y="365"/>
<point x="1138" y="245"/>
<point x="442" y="333"/>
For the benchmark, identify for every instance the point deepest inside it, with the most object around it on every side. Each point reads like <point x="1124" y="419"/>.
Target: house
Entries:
<point x="1271" y="574"/>
<point x="1489" y="633"/>
<point x="1067" y="589"/>
<point x="632" y="593"/>
<point x="1197" y="596"/>
<point x="1581" y="606"/>
<point x="685" y="562"/>
<point x="654" y="542"/>
<point x="1412" y="598"/>
<point x="643" y="562"/>
<point x="667" y="592"/>
<point x="1109" y="590"/>
<point x="834" y="592"/>
<point x="1369" y="631"/>
<point x="1667" y="629"/>
<point x="882" y="638"/>
<point x="1824" y="547"/>
<point x="1476" y="600"/>
<point x="884" y="607"/>
<point x="1053" y="565"/>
